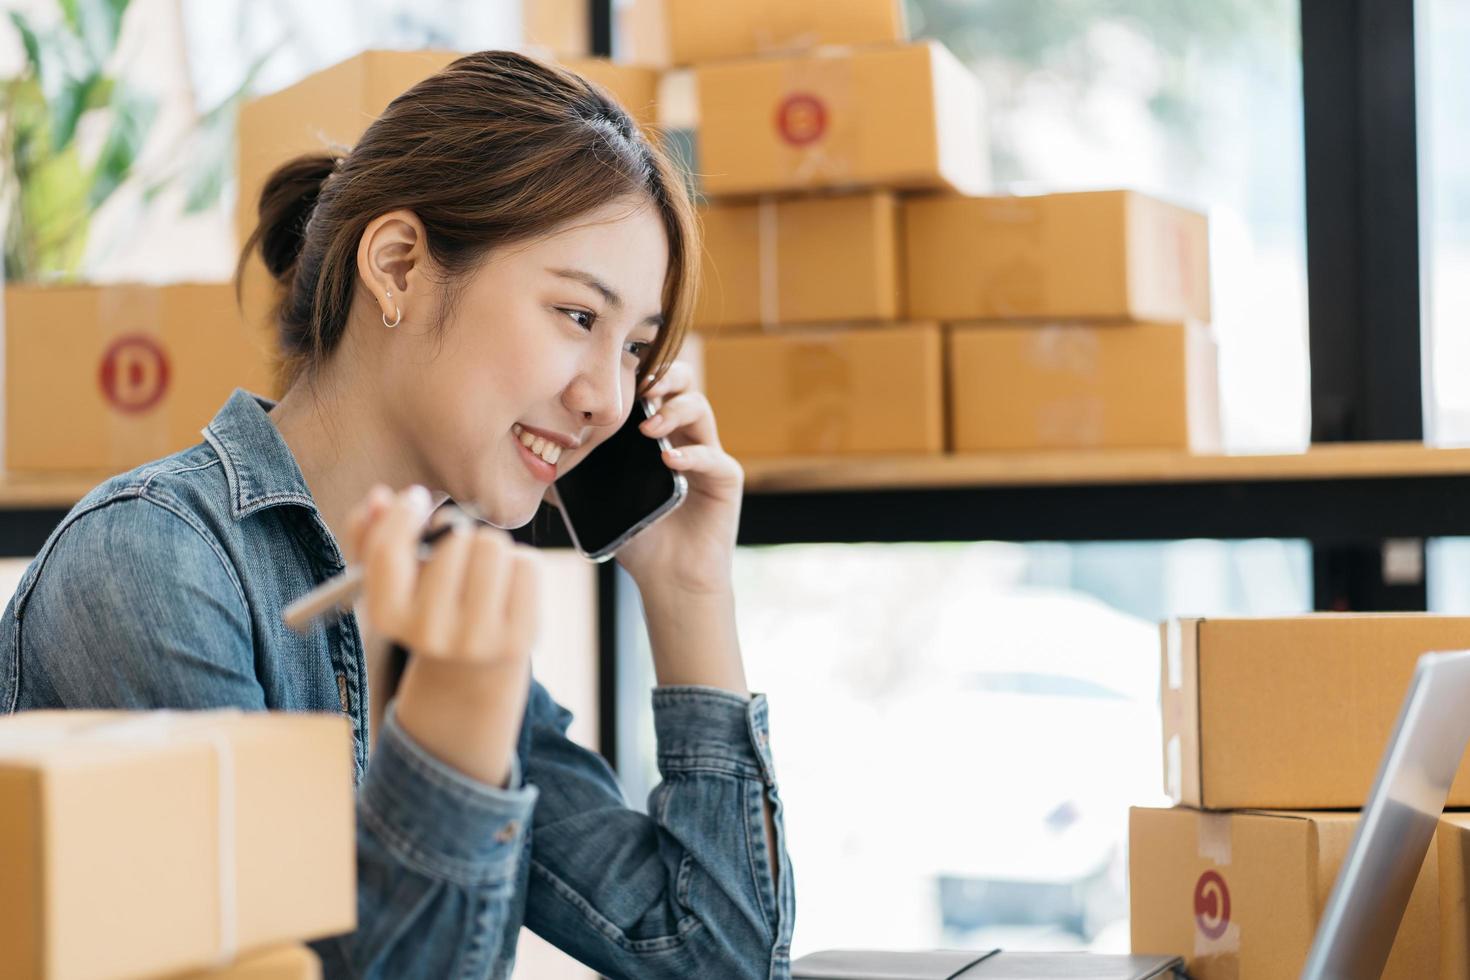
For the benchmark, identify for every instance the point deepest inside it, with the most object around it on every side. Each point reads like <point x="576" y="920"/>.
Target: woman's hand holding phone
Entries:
<point x="469" y="616"/>
<point x="691" y="549"/>
<point x="682" y="564"/>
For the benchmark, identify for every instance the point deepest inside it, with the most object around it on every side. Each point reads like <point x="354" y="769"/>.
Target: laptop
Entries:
<point x="945" y="964"/>
<point x="1372" y="890"/>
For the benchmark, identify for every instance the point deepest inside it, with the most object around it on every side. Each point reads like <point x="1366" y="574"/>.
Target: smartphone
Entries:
<point x="621" y="488"/>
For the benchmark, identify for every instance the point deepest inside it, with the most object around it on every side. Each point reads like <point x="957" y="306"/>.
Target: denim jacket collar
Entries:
<point x="259" y="466"/>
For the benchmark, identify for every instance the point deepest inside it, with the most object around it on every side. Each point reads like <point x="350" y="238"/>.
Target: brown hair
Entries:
<point x="495" y="149"/>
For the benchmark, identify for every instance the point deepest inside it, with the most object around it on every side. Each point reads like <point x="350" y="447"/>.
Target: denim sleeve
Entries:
<point x="135" y="607"/>
<point x="685" y="891"/>
<point x="437" y="860"/>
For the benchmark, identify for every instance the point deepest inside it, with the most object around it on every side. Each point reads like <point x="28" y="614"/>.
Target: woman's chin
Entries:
<point x="509" y="514"/>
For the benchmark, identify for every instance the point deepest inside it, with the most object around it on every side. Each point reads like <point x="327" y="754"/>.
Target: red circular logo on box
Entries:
<point x="1211" y="905"/>
<point x="134" y="373"/>
<point x="801" y="118"/>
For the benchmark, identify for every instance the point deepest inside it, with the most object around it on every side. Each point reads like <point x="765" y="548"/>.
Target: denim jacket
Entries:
<point x="163" y="588"/>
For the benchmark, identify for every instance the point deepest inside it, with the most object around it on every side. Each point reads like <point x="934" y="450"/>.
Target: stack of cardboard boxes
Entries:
<point x="1070" y="321"/>
<point x="810" y="118"/>
<point x="139" y="844"/>
<point x="1273" y="734"/>
<point x="1076" y="321"/>
<point x="857" y="298"/>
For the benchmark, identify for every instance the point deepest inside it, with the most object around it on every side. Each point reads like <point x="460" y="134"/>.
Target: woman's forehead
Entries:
<point x="620" y="247"/>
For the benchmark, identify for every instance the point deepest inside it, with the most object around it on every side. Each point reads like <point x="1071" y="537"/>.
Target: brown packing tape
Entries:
<point x="1079" y="419"/>
<point x="1202" y="390"/>
<point x="135" y="372"/>
<point x="771" y="40"/>
<point x="1173" y="685"/>
<point x="819" y="384"/>
<point x="1214" y="838"/>
<point x="1174" y="655"/>
<point x="1179" y="669"/>
<point x="1166" y="249"/>
<point x="768" y="239"/>
<point x="1018" y="285"/>
<point x="1217" y="938"/>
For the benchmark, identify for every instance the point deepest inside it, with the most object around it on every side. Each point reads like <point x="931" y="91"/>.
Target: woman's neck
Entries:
<point x="344" y="444"/>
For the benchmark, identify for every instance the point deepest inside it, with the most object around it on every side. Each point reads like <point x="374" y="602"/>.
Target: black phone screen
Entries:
<point x="617" y="486"/>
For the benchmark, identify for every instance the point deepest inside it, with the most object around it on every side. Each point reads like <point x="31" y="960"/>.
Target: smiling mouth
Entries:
<point x="543" y="449"/>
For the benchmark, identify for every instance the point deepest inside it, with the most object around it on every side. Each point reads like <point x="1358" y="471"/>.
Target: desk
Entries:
<point x="1359" y="492"/>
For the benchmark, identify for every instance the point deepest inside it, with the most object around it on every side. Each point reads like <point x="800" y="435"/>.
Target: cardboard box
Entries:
<point x="697" y="31"/>
<point x="906" y="116"/>
<point x="1291" y="713"/>
<point x="326" y="110"/>
<point x="1114" y="386"/>
<point x="134" y="843"/>
<point x="1452" y="848"/>
<point x="1239" y="895"/>
<point x="103" y="378"/>
<point x="800" y="260"/>
<point x="333" y="107"/>
<point x="280" y="963"/>
<point x="828" y="392"/>
<point x="561" y="28"/>
<point x="1098" y="255"/>
<point x="330" y="108"/>
<point x="641" y="32"/>
<point x="634" y="86"/>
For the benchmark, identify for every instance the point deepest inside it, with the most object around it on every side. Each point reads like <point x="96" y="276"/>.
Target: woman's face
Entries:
<point x="543" y="346"/>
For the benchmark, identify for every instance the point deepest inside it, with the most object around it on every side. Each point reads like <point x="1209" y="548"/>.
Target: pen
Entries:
<point x="338" y="593"/>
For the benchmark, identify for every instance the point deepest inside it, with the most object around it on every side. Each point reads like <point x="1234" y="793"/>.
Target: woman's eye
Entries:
<point x="637" y="348"/>
<point x="585" y="324"/>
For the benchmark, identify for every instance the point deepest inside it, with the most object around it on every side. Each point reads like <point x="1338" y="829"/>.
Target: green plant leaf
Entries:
<point x="76" y="98"/>
<point x="155" y="188"/>
<point x="54" y="215"/>
<point x="214" y="160"/>
<point x="99" y="93"/>
<point x="28" y="123"/>
<point x="97" y="23"/>
<point x="132" y="114"/>
<point x="29" y="41"/>
<point x="54" y="59"/>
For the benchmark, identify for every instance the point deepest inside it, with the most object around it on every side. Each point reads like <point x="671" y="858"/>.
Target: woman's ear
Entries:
<point x="391" y="258"/>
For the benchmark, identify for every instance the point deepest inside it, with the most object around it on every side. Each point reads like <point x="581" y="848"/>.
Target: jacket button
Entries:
<point x="507" y="833"/>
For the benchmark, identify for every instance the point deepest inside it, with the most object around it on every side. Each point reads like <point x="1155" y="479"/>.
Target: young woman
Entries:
<point x="469" y="301"/>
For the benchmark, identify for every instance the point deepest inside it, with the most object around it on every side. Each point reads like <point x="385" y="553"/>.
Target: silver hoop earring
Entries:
<point x="397" y="318"/>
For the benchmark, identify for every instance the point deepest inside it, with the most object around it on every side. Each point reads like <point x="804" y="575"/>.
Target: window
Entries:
<point x="1447" y="561"/>
<point x="1198" y="102"/>
<point x="1443" y="88"/>
<point x="961" y="728"/>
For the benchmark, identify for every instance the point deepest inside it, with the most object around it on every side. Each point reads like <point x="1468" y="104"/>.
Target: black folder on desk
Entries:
<point x="943" y="964"/>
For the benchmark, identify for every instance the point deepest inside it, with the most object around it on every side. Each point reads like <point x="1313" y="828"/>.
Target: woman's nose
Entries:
<point x="598" y="398"/>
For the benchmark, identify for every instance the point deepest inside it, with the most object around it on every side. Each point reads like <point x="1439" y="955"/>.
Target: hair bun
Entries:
<point x="286" y="203"/>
